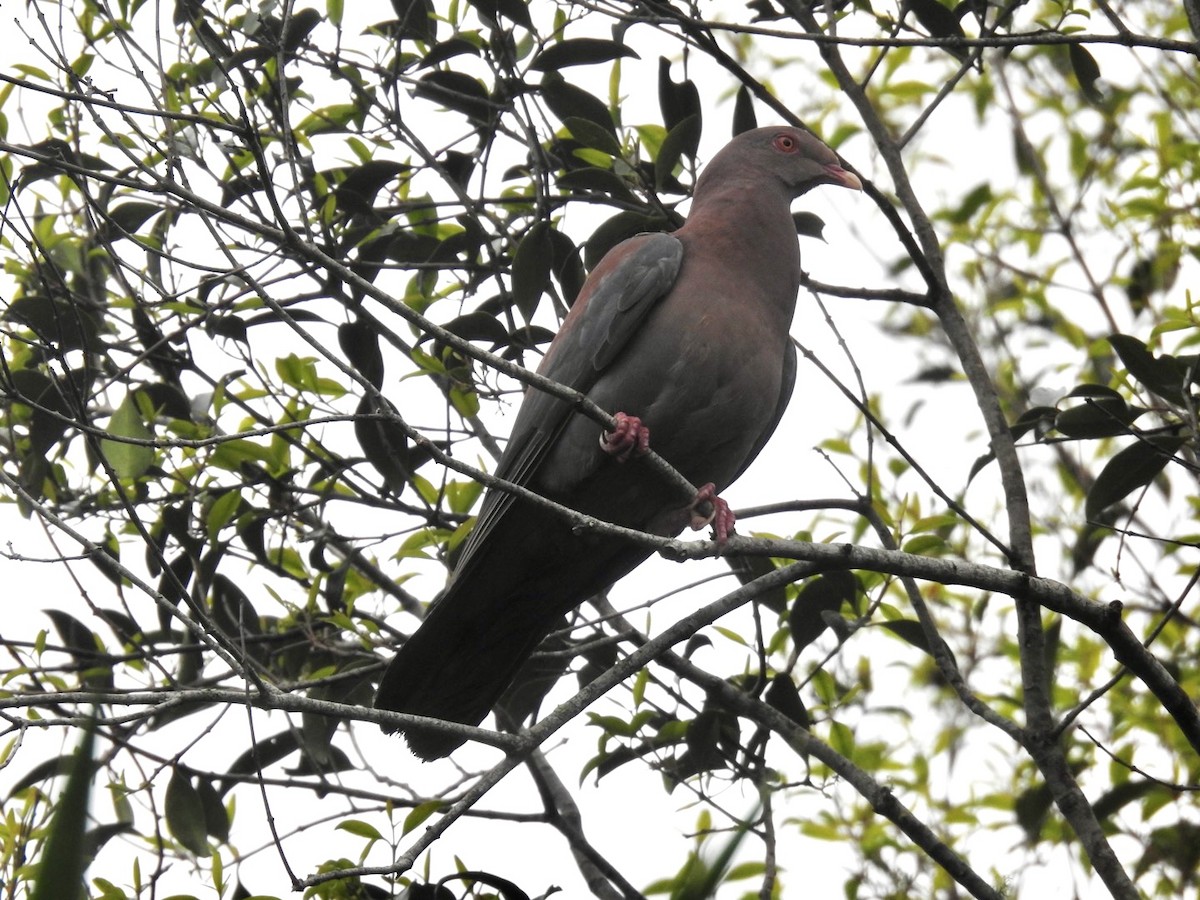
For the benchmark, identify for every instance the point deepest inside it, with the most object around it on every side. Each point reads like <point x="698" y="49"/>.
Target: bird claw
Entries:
<point x="718" y="514"/>
<point x="629" y="438"/>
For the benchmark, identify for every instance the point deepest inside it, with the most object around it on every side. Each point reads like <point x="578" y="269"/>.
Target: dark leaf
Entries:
<point x="1133" y="468"/>
<point x="63" y="325"/>
<point x="681" y="140"/>
<point x="184" y="812"/>
<point x="265" y="753"/>
<point x="63" y="859"/>
<point x="455" y="46"/>
<point x="678" y="101"/>
<point x="748" y="568"/>
<point x="939" y="21"/>
<point x="507" y="890"/>
<point x="1087" y="72"/>
<point x="415" y="20"/>
<point x="591" y="135"/>
<point x="478" y="326"/>
<point x="591" y="179"/>
<point x="567" y="101"/>
<point x="125" y="220"/>
<point x="809" y="225"/>
<point x="566" y="265"/>
<point x="516" y="11"/>
<point x="1032" y="807"/>
<point x="216" y="817"/>
<point x="76" y="637"/>
<point x="1161" y="374"/>
<point x="822" y="594"/>
<point x="1097" y="417"/>
<point x="744" y="118"/>
<point x="580" y="52"/>
<point x="359" y="341"/>
<point x="911" y="632"/>
<point x="232" y="610"/>
<point x="356" y="192"/>
<point x="384" y="442"/>
<point x="783" y="696"/>
<point x="457" y="91"/>
<point x="531" y="269"/>
<point x="1038" y="419"/>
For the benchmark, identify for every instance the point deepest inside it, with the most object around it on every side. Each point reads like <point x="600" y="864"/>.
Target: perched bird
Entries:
<point x="684" y="337"/>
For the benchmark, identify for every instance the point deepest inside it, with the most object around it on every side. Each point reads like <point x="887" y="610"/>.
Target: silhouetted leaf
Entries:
<point x="567" y="101"/>
<point x="359" y="340"/>
<point x="184" y="812"/>
<point x="1103" y="414"/>
<point x="1161" y="374"/>
<point x="822" y="594"/>
<point x="743" y="111"/>
<point x="1133" y="468"/>
<point x="809" y="225"/>
<point x="580" y="52"/>
<point x="63" y="857"/>
<point x="457" y="91"/>
<point x="1086" y="70"/>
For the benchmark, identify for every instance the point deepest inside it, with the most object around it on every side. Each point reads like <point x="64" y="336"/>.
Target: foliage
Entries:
<point x="271" y="274"/>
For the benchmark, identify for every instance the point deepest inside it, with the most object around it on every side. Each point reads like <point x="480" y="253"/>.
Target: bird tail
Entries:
<point x="457" y="665"/>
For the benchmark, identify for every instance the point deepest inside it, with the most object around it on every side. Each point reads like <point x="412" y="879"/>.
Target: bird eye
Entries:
<point x="785" y="143"/>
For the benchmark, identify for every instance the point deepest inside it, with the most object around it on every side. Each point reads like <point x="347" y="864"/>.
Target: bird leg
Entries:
<point x="629" y="438"/>
<point x="708" y="508"/>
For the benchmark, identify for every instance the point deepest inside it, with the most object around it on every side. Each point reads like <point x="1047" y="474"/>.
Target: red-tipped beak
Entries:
<point x="838" y="175"/>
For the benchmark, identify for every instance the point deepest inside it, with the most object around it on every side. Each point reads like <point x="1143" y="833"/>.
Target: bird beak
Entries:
<point x="838" y="175"/>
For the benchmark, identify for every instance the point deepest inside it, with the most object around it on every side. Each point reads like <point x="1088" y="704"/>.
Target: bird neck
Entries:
<point x="750" y="227"/>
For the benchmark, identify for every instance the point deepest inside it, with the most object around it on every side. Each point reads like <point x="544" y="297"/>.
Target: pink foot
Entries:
<point x="629" y="438"/>
<point x="720" y="516"/>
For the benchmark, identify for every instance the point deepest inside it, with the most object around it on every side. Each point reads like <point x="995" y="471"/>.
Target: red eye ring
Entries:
<point x="785" y="143"/>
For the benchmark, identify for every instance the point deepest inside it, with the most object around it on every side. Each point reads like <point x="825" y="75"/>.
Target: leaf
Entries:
<point x="939" y="21"/>
<point x="1161" y="374"/>
<point x="911" y="632"/>
<point x="679" y="101"/>
<point x="1087" y="71"/>
<point x="748" y="568"/>
<point x="63" y="859"/>
<point x="580" y="52"/>
<point x="531" y="269"/>
<point x="809" y="225"/>
<point x="1133" y="468"/>
<point x="456" y="91"/>
<point x="684" y="138"/>
<point x="1099" y="416"/>
<point x="128" y="461"/>
<point x="184" y="813"/>
<point x="567" y="101"/>
<point x="360" y="342"/>
<point x="516" y="11"/>
<point x="783" y="696"/>
<point x="356" y="192"/>
<point x="743" y="111"/>
<point x="419" y="814"/>
<point x="823" y="594"/>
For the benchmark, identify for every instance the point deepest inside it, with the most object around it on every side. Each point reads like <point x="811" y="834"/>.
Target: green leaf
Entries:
<point x="531" y="269"/>
<point x="184" y="811"/>
<point x="1087" y="71"/>
<point x="823" y="594"/>
<point x="128" y="461"/>
<point x="1133" y="468"/>
<point x="62" y="862"/>
<point x="580" y="52"/>
<point x="1161" y="374"/>
<point x="420" y="813"/>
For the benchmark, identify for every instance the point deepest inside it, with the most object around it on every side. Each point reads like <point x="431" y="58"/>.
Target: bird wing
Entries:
<point x="616" y="299"/>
